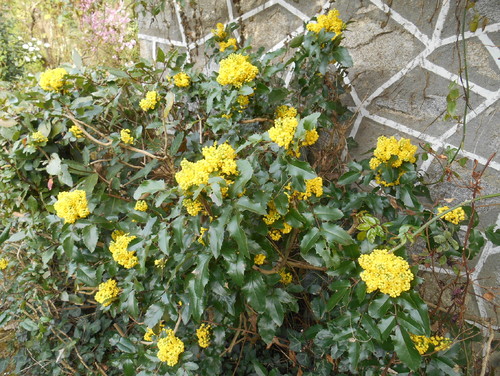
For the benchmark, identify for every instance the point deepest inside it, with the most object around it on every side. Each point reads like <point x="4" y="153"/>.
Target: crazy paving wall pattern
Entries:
<point x="406" y="54"/>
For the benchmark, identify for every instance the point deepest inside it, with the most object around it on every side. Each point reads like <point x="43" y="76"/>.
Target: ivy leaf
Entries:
<point x="406" y="349"/>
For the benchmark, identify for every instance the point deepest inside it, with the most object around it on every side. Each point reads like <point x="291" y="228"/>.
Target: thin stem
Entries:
<point x="434" y="219"/>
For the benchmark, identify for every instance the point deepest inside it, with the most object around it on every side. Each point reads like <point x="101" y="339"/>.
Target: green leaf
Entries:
<point x="379" y="306"/>
<point x="245" y="174"/>
<point x="238" y="234"/>
<point x="405" y="349"/>
<point x="54" y="165"/>
<point x="255" y="207"/>
<point x="297" y="41"/>
<point x="309" y="239"/>
<point x="236" y="269"/>
<point x="309" y="122"/>
<point x="385" y="326"/>
<point x="149" y="186"/>
<point x="328" y="214"/>
<point x="341" y="54"/>
<point x="255" y="291"/>
<point x="160" y="55"/>
<point x="353" y="350"/>
<point x="132" y="305"/>
<point x="90" y="237"/>
<point x="5" y="234"/>
<point x="153" y="315"/>
<point x="335" y="234"/>
<point x="86" y="275"/>
<point x="89" y="183"/>
<point x="177" y="142"/>
<point x="349" y="177"/>
<point x="126" y="346"/>
<point x="337" y="297"/>
<point x="195" y="300"/>
<point x="267" y="328"/>
<point x="300" y="169"/>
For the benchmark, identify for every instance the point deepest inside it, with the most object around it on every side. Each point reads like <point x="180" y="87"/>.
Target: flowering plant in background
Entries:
<point x="108" y="24"/>
<point x="212" y="226"/>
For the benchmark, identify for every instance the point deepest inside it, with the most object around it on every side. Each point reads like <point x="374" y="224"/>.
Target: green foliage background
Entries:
<point x="322" y="323"/>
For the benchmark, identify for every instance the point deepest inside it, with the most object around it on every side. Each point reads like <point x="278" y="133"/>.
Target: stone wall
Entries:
<point x="406" y="53"/>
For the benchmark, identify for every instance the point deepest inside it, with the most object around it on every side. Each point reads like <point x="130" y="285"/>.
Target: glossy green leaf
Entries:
<point x="255" y="291"/>
<point x="90" y="237"/>
<point x="405" y="349"/>
<point x="335" y="234"/>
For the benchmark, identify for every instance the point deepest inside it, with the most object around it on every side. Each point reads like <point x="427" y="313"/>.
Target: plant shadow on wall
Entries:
<point x="189" y="226"/>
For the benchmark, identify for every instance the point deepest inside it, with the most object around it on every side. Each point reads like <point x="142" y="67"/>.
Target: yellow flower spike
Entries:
<point x="182" y="80"/>
<point x="126" y="137"/>
<point x="236" y="70"/>
<point x="53" y="79"/>
<point x="72" y="206"/>
<point x="385" y="271"/>
<point x="121" y="255"/>
<point x="141" y="205"/>
<point x="108" y="292"/>
<point x="283" y="131"/>
<point x="231" y="42"/>
<point x="203" y="334"/>
<point x="149" y="103"/>
<point x="455" y="216"/>
<point x="3" y="263"/>
<point x="76" y="131"/>
<point x="148" y="336"/>
<point x="259" y="259"/>
<point x="38" y="138"/>
<point x="170" y="348"/>
<point x="200" y="238"/>
<point x="286" y="278"/>
<point x="219" y="31"/>
<point x="330" y="22"/>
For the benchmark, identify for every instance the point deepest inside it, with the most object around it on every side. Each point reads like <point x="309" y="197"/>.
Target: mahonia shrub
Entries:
<point x="159" y="220"/>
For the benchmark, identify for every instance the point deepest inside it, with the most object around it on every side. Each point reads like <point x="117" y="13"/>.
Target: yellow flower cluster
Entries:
<point x="385" y="271"/>
<point x="259" y="259"/>
<point x="203" y="334"/>
<point x="313" y="187"/>
<point x="193" y="207"/>
<point x="38" y="137"/>
<point x="455" y="216"/>
<point x="220" y="31"/>
<point x="182" y="80"/>
<point x="148" y="336"/>
<point x="72" y="206"/>
<point x="310" y="138"/>
<point x="3" y="263"/>
<point x="269" y="219"/>
<point x="285" y="111"/>
<point x="235" y="70"/>
<point x="149" y="103"/>
<point x="283" y="131"/>
<point x="286" y="277"/>
<point x="243" y="101"/>
<point x="169" y="348"/>
<point x="388" y="148"/>
<point x="217" y="159"/>
<point x="76" y="131"/>
<point x="141" y="205"/>
<point x="160" y="263"/>
<point x="200" y="238"/>
<point x="330" y="22"/>
<point x="126" y="137"/>
<point x="422" y="343"/>
<point x="231" y="42"/>
<point x="392" y="153"/>
<point x="118" y="249"/>
<point x="53" y="79"/>
<point x="108" y="292"/>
